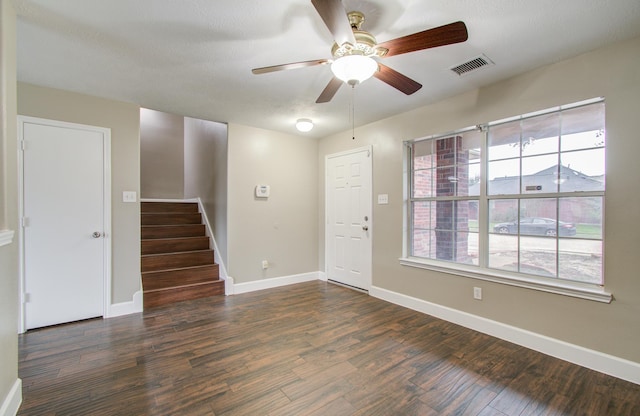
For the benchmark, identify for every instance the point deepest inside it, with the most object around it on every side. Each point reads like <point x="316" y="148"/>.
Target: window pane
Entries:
<point x="503" y="216"/>
<point x="422" y="215"/>
<point x="538" y="256"/>
<point x="423" y="183"/>
<point x="539" y="166"/>
<point x="454" y="246"/>
<point x="504" y="177"/>
<point x="540" y="174"/>
<point x="445" y="215"/>
<point x="503" y="252"/>
<point x="473" y="248"/>
<point x="466" y="248"/>
<point x="474" y="179"/>
<point x="440" y="230"/>
<point x="582" y="171"/>
<point x="473" y="207"/>
<point x="423" y="243"/>
<point x="422" y="149"/>
<point x="504" y="140"/>
<point x="446" y="181"/>
<point x="423" y="165"/>
<point x="540" y="134"/>
<point x="584" y="140"/>
<point x="441" y="166"/>
<point x="585" y="214"/>
<point x="538" y="217"/>
<point x="583" y="127"/>
<point x="580" y="260"/>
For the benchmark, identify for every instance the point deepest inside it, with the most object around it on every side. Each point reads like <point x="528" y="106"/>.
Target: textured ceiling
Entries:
<point x="195" y="57"/>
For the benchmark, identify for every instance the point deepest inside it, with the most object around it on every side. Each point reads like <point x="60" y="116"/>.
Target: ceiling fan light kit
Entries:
<point x="356" y="52"/>
<point x="354" y="69"/>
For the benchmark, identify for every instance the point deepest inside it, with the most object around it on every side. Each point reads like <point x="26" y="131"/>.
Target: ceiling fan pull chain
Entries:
<point x="353" y="113"/>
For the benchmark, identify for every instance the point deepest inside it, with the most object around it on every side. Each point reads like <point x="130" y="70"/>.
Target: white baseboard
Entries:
<point x="598" y="361"/>
<point x="323" y="276"/>
<point x="126" y="308"/>
<point x="274" y="282"/>
<point x="13" y="400"/>
<point x="229" y="284"/>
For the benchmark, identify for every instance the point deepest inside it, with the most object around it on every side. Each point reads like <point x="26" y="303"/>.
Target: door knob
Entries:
<point x="365" y="227"/>
<point x="96" y="234"/>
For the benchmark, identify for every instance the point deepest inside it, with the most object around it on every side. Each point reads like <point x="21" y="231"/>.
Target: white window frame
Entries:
<point x="576" y="289"/>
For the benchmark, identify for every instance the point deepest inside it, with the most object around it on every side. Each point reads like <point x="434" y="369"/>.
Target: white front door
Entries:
<point x="64" y="247"/>
<point x="348" y="218"/>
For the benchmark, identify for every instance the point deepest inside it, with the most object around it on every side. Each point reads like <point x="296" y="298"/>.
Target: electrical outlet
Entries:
<point x="265" y="264"/>
<point x="477" y="293"/>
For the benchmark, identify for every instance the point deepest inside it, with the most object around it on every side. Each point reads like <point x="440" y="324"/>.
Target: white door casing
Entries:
<point x="65" y="209"/>
<point x="348" y="235"/>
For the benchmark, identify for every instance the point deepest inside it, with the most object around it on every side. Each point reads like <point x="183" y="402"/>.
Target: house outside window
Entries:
<point x="522" y="197"/>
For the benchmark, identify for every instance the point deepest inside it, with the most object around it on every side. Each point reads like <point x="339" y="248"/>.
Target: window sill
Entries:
<point x="6" y="237"/>
<point x="561" y="287"/>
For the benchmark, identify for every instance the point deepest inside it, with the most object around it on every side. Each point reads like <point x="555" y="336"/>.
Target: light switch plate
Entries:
<point x="383" y="199"/>
<point x="129" y="196"/>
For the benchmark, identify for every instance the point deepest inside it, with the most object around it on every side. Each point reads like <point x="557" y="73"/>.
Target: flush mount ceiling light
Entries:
<point x="304" y="125"/>
<point x="354" y="69"/>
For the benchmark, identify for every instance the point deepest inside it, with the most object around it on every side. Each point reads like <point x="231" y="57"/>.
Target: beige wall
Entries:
<point x="8" y="203"/>
<point x="610" y="72"/>
<point x="161" y="155"/>
<point x="205" y="173"/>
<point x="124" y="121"/>
<point x="283" y="228"/>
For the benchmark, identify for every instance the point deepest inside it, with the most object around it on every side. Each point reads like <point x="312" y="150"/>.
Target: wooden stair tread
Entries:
<point x="174" y="244"/>
<point x="177" y="253"/>
<point x="170" y="218"/>
<point x="165" y="207"/>
<point x="163" y="297"/>
<point x="175" y="238"/>
<point x="151" y="232"/>
<point x="202" y="266"/>
<point x="185" y="276"/>
<point x="166" y="261"/>
<point x="182" y="286"/>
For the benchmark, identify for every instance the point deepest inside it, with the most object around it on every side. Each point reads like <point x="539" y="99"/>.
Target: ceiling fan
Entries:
<point x="354" y="50"/>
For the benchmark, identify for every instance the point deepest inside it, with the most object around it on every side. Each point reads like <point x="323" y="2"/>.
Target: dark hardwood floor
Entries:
<point x="308" y="349"/>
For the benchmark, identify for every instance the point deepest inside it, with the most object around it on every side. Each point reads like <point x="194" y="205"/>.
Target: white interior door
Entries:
<point x="348" y="224"/>
<point x="63" y="207"/>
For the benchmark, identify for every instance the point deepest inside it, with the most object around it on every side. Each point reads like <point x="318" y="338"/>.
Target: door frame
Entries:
<point x="106" y="207"/>
<point x="368" y="148"/>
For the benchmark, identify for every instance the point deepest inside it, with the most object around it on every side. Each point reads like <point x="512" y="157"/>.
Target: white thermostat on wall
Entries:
<point x="262" y="191"/>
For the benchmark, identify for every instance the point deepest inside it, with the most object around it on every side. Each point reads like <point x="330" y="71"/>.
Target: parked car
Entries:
<point x="536" y="226"/>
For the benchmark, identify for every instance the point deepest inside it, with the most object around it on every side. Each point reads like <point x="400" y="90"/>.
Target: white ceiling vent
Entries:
<point x="472" y="65"/>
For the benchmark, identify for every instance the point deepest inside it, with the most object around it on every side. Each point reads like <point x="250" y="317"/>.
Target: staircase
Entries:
<point x="177" y="261"/>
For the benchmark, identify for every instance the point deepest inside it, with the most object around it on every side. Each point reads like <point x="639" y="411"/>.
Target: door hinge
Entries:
<point x="24" y="221"/>
<point x="23" y="145"/>
<point x="26" y="297"/>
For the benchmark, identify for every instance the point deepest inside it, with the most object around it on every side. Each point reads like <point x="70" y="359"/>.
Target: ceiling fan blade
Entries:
<point x="396" y="79"/>
<point x="293" y="65"/>
<point x="329" y="91"/>
<point x="430" y="38"/>
<point x="335" y="17"/>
